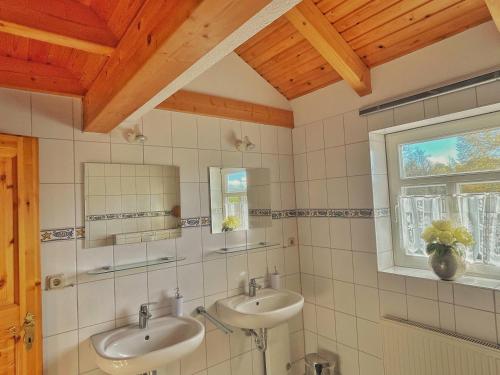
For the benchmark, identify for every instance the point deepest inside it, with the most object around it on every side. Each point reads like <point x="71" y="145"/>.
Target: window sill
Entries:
<point x="469" y="280"/>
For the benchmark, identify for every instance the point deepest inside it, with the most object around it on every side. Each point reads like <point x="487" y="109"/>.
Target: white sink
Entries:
<point x="131" y="350"/>
<point x="267" y="309"/>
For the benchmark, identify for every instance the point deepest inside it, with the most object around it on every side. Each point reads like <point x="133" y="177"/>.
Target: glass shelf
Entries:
<point x="250" y="246"/>
<point x="129" y="266"/>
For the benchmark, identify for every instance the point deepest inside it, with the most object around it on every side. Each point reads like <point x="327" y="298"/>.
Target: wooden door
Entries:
<point x="20" y="296"/>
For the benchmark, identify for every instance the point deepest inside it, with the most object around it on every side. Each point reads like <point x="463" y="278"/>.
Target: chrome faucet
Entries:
<point x="252" y="287"/>
<point x="144" y="314"/>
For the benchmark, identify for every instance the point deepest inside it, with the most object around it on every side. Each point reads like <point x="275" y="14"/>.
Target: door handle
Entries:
<point x="29" y="330"/>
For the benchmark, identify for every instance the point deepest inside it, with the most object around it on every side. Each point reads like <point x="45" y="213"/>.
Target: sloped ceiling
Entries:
<point x="233" y="78"/>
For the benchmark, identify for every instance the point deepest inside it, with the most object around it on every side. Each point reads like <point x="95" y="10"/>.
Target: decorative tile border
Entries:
<point x="61" y="234"/>
<point x="190" y="222"/>
<point x="347" y="213"/>
<point x="288" y="213"/>
<point x="127" y="215"/>
<point x="259" y="212"/>
<point x="283" y="214"/>
<point x="336" y="212"/>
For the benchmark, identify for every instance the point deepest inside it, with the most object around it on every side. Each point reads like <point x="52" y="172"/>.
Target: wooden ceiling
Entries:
<point x="117" y="54"/>
<point x="377" y="31"/>
<point x="59" y="46"/>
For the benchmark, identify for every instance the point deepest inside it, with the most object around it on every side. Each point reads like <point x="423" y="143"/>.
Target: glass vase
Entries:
<point x="448" y="263"/>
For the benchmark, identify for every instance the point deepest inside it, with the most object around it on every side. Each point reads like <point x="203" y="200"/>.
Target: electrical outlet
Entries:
<point x="54" y="281"/>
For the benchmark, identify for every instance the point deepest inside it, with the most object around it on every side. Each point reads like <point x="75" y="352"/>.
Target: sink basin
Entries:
<point x="131" y="350"/>
<point x="267" y="309"/>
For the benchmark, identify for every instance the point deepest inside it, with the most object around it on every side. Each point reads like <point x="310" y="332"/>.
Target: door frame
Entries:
<point x="28" y="362"/>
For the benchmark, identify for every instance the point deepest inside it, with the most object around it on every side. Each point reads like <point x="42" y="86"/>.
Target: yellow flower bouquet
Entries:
<point x="442" y="236"/>
<point x="445" y="247"/>
<point x="230" y="223"/>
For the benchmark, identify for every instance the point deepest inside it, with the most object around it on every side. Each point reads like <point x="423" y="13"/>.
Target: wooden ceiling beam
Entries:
<point x="216" y="106"/>
<point x="314" y="26"/>
<point x="163" y="41"/>
<point x="63" y="22"/>
<point x="53" y="38"/>
<point x="494" y="8"/>
<point x="29" y="75"/>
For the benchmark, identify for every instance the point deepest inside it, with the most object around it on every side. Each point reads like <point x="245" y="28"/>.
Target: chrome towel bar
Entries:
<point x="201" y="310"/>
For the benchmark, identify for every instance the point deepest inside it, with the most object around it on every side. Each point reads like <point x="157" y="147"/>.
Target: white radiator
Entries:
<point x="415" y="349"/>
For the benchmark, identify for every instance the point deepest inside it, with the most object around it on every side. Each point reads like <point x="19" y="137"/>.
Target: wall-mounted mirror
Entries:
<point x="128" y="203"/>
<point x="240" y="198"/>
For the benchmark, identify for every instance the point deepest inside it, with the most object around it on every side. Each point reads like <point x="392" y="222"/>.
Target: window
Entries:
<point x="447" y="171"/>
<point x="235" y="195"/>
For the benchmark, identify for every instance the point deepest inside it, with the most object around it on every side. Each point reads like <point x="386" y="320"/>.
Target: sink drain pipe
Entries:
<point x="260" y="338"/>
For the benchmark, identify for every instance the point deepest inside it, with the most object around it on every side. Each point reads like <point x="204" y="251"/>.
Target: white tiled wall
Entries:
<point x="329" y="168"/>
<point x="345" y="295"/>
<point x="98" y="303"/>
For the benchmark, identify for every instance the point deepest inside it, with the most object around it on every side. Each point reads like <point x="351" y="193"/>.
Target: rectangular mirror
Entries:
<point x="129" y="203"/>
<point x="240" y="198"/>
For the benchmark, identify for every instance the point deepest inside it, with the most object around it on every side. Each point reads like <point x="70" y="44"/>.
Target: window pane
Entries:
<point x="464" y="153"/>
<point x="237" y="206"/>
<point x="415" y="214"/>
<point x="236" y="182"/>
<point x="479" y="213"/>
<point x="425" y="190"/>
<point x="481" y="187"/>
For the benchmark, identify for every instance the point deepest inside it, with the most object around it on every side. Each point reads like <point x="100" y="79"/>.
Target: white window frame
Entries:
<point x="396" y="183"/>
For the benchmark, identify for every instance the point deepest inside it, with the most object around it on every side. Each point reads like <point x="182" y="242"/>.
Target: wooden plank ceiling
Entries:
<point x="117" y="54"/>
<point x="376" y="30"/>
<point x="30" y="58"/>
<point x="111" y="51"/>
